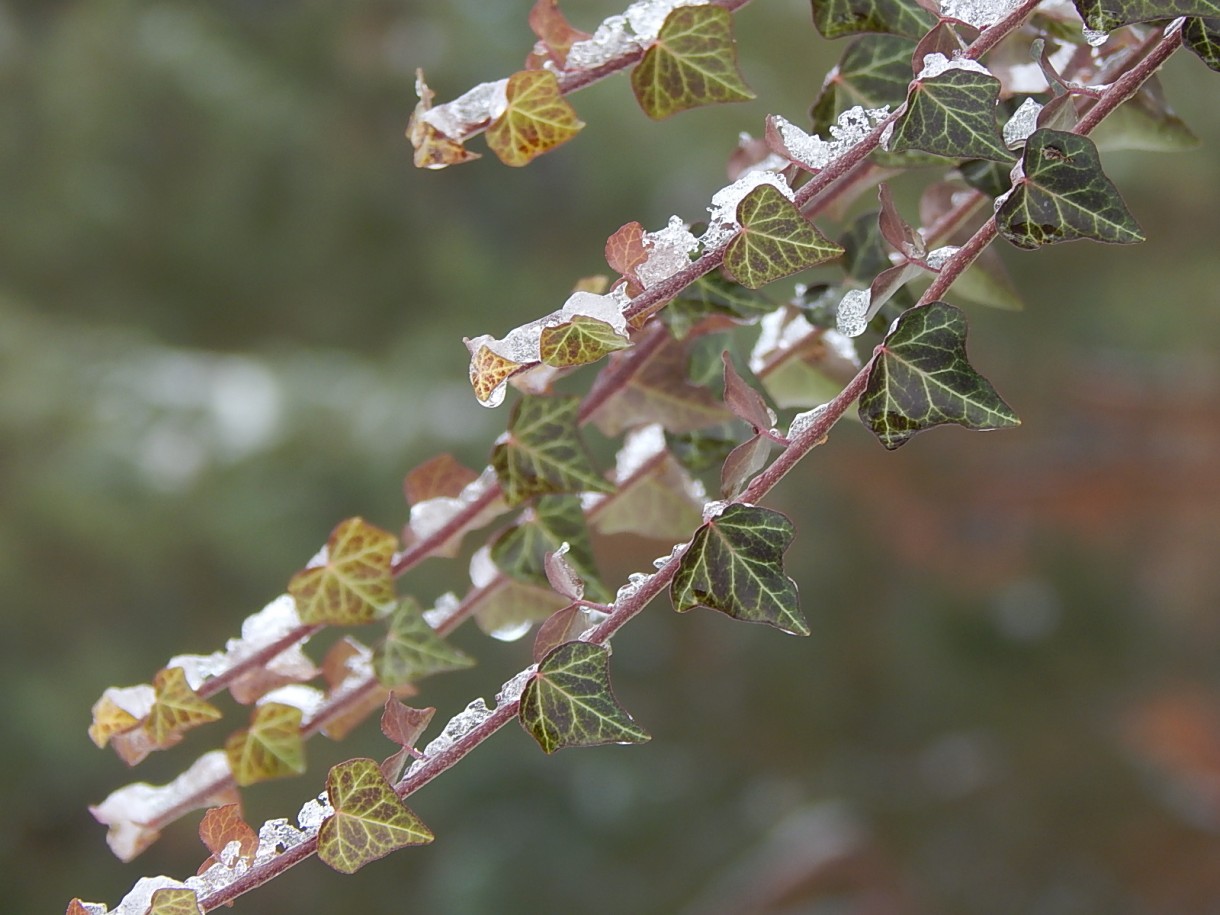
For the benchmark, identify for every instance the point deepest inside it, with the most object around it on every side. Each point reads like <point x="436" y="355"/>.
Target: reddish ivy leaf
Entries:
<point x="625" y="252"/>
<point x="442" y="477"/>
<point x="272" y="747"/>
<point x="692" y="63"/>
<point x="564" y="625"/>
<point x="433" y="149"/>
<point x="369" y="821"/>
<point x="403" y="725"/>
<point x="554" y="31"/>
<point x="537" y="119"/>
<point x="222" y="825"/>
<point x="742" y="464"/>
<point x="174" y="901"/>
<point x="775" y="240"/>
<point x="489" y="371"/>
<point x="353" y="584"/>
<point x="76" y="907"/>
<point x="579" y="342"/>
<point x="561" y="575"/>
<point x="176" y="710"/>
<point x="745" y="402"/>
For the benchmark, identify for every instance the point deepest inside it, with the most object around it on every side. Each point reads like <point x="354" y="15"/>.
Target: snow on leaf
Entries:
<point x="836" y="18"/>
<point x="1202" y="36"/>
<point x="110" y="718"/>
<point x="412" y="649"/>
<point x="543" y="453"/>
<point x="1107" y="15"/>
<point x="272" y="747"/>
<point x="369" y="821"/>
<point x="775" y="240"/>
<point x="579" y="342"/>
<point x="569" y="701"/>
<point x="537" y="118"/>
<point x="222" y="825"/>
<point x="693" y="62"/>
<point x="874" y="71"/>
<point x="433" y="148"/>
<point x="799" y="364"/>
<point x="952" y="114"/>
<point x="978" y="13"/>
<point x="441" y="477"/>
<point x="135" y="812"/>
<point x="660" y="391"/>
<point x="432" y="515"/>
<point x="353" y="584"/>
<point x="554" y="31"/>
<point x="174" y="901"/>
<point x="814" y="153"/>
<point x="175" y="710"/>
<point x="520" y="552"/>
<point x="922" y="378"/>
<point x="735" y="565"/>
<point x="1064" y="195"/>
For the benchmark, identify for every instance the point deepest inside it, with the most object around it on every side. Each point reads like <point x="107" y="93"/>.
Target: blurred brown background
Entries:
<point x="230" y="315"/>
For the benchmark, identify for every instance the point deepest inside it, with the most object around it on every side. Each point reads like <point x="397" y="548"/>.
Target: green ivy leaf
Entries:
<point x="353" y="583"/>
<point x="569" y="702"/>
<point x="176" y="709"/>
<point x="1144" y="122"/>
<point x="579" y="342"/>
<point x="775" y="240"/>
<point x="1203" y="37"/>
<point x="1063" y="196"/>
<point x="873" y="71"/>
<point x="693" y="62"/>
<point x="864" y="250"/>
<point x="521" y="550"/>
<point x="174" y="901"/>
<point x="538" y="118"/>
<point x="921" y="378"/>
<point x="1107" y="15"/>
<point x="714" y="294"/>
<point x="836" y="18"/>
<point x="412" y="649"/>
<point x="734" y="564"/>
<point x="272" y="747"/>
<point x="369" y="821"/>
<point x="543" y="452"/>
<point x="952" y="115"/>
<point x="986" y="177"/>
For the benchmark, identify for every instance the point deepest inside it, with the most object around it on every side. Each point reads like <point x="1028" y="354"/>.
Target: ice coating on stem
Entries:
<point x="442" y="611"/>
<point x="853" y="315"/>
<point x="313" y="813"/>
<point x="803" y="421"/>
<point x="474" y="108"/>
<point x="713" y="509"/>
<point x="623" y="34"/>
<point x="811" y="151"/>
<point x="979" y="13"/>
<point x="1023" y="122"/>
<point x="457" y="727"/>
<point x="937" y="259"/>
<point x="431" y="515"/>
<point x="276" y="837"/>
<point x="723" y="224"/>
<point x="668" y="250"/>
<point x="138" y="901"/>
<point x="514" y="686"/>
<point x="936" y="63"/>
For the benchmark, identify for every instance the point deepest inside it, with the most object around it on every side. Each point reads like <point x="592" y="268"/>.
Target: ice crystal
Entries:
<point x="458" y="118"/>
<point x="138" y="901"/>
<point x="723" y="224"/>
<point x="1023" y="122"/>
<point x="979" y="13"/>
<point x="442" y="611"/>
<point x="668" y="251"/>
<point x="224" y="872"/>
<point x="619" y="35"/>
<point x="307" y="698"/>
<point x="936" y="63"/>
<point x="713" y="509"/>
<point x="314" y="813"/>
<point x="937" y="259"/>
<point x="513" y="687"/>
<point x="853" y="314"/>
<point x="274" y="838"/>
<point x="852" y="126"/>
<point x="803" y="421"/>
<point x="458" y="727"/>
<point x="1094" y="38"/>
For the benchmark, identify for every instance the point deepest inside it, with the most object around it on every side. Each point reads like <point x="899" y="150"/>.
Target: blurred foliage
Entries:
<point x="230" y="315"/>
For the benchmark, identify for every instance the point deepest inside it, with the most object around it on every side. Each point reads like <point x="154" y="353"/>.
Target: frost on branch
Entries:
<point x="978" y="13"/>
<point x="624" y="35"/>
<point x="429" y="517"/>
<point x="812" y="152"/>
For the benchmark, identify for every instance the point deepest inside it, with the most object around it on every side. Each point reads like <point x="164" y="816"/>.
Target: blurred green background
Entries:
<point x="231" y="315"/>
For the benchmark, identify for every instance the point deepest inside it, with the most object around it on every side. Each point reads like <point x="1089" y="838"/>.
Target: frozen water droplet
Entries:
<point x="852" y="315"/>
<point x="512" y="688"/>
<point x="979" y="13"/>
<point x="1095" y="38"/>
<point x="937" y="259"/>
<point x="1023" y="122"/>
<point x="713" y="509"/>
<point x="803" y="421"/>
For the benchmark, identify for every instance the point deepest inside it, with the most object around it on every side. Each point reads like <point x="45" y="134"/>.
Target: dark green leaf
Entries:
<point x="1107" y="15"/>
<point x="1145" y="122"/>
<point x="521" y="550"/>
<point x="1063" y="196"/>
<point x="873" y="71"/>
<point x="836" y="18"/>
<point x="987" y="177"/>
<point x="412" y="650"/>
<point x="734" y="564"/>
<point x="952" y="115"/>
<point x="714" y="294"/>
<point x="1203" y="37"/>
<point x="544" y="452"/>
<point x="697" y="451"/>
<point x="864" y="251"/>
<point x="921" y="378"/>
<point x="569" y="702"/>
<point x="775" y="240"/>
<point x="693" y="62"/>
<point x="369" y="821"/>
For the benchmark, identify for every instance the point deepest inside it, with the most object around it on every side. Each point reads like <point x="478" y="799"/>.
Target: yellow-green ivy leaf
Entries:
<point x="174" y="901"/>
<point x="734" y="564"/>
<point x="579" y="342"/>
<point x="412" y="649"/>
<point x="537" y="119"/>
<point x="922" y="378"/>
<point x="353" y="583"/>
<point x="272" y="747"/>
<point x="543" y="452"/>
<point x="176" y="709"/>
<point x="693" y="62"/>
<point x="369" y="821"/>
<point x="775" y="240"/>
<point x="569" y="702"/>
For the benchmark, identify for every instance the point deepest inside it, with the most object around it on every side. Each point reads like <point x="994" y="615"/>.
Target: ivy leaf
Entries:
<point x="176" y="709"/>
<point x="174" y="901"/>
<point x="734" y="564"/>
<point x="521" y="550"/>
<point x="656" y="498"/>
<point x="403" y="725"/>
<point x="743" y="462"/>
<point x="952" y="115"/>
<point x="714" y="295"/>
<point x="1107" y="15"/>
<point x="1064" y="195"/>
<point x="579" y="342"/>
<point x="222" y="825"/>
<point x="1203" y="37"/>
<point x="569" y="702"/>
<point x="109" y="719"/>
<point x="922" y="378"/>
<point x="554" y="32"/>
<point x="272" y="747"/>
<point x="1145" y="122"/>
<point x="412" y="649"/>
<point x="506" y="609"/>
<point x="543" y="452"/>
<point x="537" y="118"/>
<point x="488" y="373"/>
<point x="775" y="240"/>
<point x="625" y="252"/>
<point x="873" y="71"/>
<point x="986" y="177"/>
<point x="441" y="477"/>
<point x="836" y="18"/>
<point x="370" y="820"/>
<point x="693" y="62"/>
<point x="353" y="583"/>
